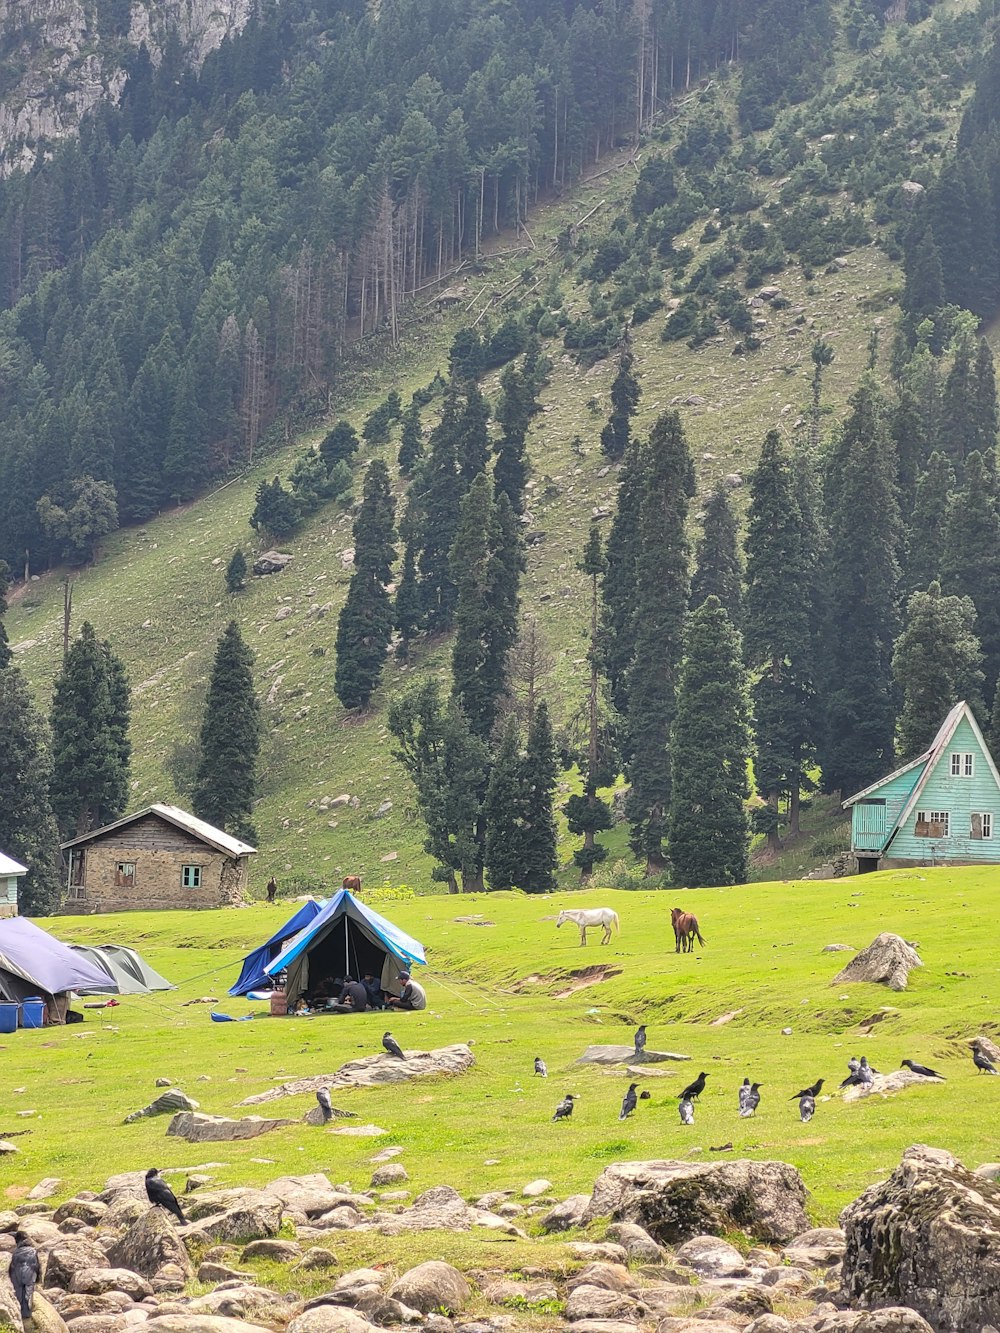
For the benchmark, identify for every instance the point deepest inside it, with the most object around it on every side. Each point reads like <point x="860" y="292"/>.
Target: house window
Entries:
<point x="125" y="875"/>
<point x="982" y="825"/>
<point x="932" y="824"/>
<point x="191" y="877"/>
<point x="962" y="765"/>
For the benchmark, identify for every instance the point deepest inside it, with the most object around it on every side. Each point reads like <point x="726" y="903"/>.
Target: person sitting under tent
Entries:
<point x="327" y="989"/>
<point x="353" y="998"/>
<point x="371" y="983"/>
<point x="412" y="996"/>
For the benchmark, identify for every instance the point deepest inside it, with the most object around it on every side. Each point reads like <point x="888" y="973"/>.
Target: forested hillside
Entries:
<point x="712" y="275"/>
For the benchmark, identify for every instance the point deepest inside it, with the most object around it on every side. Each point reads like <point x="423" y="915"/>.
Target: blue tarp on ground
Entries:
<point x="32" y="962"/>
<point x="253" y="976"/>
<point x="346" y="938"/>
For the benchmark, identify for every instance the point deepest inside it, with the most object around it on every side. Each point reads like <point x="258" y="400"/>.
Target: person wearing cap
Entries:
<point x="412" y="996"/>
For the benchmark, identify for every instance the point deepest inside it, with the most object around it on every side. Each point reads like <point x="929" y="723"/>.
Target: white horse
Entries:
<point x="592" y="916"/>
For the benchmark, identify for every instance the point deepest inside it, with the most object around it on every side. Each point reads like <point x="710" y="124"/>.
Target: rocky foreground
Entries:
<point x="918" y="1252"/>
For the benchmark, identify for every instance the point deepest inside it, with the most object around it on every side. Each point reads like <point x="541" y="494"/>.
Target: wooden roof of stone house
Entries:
<point x="181" y="819"/>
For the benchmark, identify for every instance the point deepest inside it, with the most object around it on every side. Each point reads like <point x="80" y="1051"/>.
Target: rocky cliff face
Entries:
<point x="57" y="59"/>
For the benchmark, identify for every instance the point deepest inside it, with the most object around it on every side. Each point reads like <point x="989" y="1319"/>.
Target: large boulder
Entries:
<point x="45" y="1318"/>
<point x="10" y="1311"/>
<point x="200" y="1323"/>
<point x="625" y="1055"/>
<point x="898" y="1081"/>
<point x="98" y="1281"/>
<point x="197" y="1127"/>
<point x="887" y="961"/>
<point x="148" y="1245"/>
<point x="271" y="562"/>
<point x="892" y="1319"/>
<point x="675" y="1201"/>
<point x="171" y="1100"/>
<point x="374" y="1071"/>
<point x="430" y="1286"/>
<point x="329" y="1319"/>
<point x="69" y="1257"/>
<point x="252" y="1221"/>
<point x="927" y="1238"/>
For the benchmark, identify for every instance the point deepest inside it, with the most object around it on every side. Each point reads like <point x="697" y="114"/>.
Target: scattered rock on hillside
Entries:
<point x="890" y="1319"/>
<point x="431" y="1286"/>
<point x="677" y="1200"/>
<point x="99" y="1281"/>
<point x="815" y="1248"/>
<point x="638" y="1244"/>
<point x="197" y="1127"/>
<point x="148" y="1245"/>
<point x="927" y="1238"/>
<point x="837" y="948"/>
<point x="534" y="1188"/>
<point x="623" y="1055"/>
<point x="373" y="1071"/>
<point x="45" y="1318"/>
<point x="888" y="961"/>
<point x="277" y="1251"/>
<point x="10" y="1311"/>
<point x="329" y="1319"/>
<point x="252" y="1221"/>
<point x="712" y="1257"/>
<point x="897" y="1081"/>
<point x="197" y="1322"/>
<point x="271" y="562"/>
<point x="8" y="1149"/>
<point x="70" y="1256"/>
<point x="88" y="1211"/>
<point x="392" y="1174"/>
<point x="174" y="1100"/>
<point x="567" y="1214"/>
<point x="988" y="1047"/>
<point x="45" y="1188"/>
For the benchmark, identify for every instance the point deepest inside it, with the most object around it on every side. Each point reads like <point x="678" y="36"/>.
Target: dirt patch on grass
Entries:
<point x="582" y="977"/>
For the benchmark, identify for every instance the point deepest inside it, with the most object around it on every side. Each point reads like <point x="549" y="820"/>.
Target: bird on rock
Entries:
<point x="749" y="1099"/>
<point x="865" y="1070"/>
<point x="540" y="1069"/>
<point x="325" y="1105"/>
<point x="629" y="1102"/>
<point x="854" y="1064"/>
<point x="565" y="1108"/>
<point x="922" y="1070"/>
<point x="807" y="1107"/>
<point x="158" y="1192"/>
<point x="686" y="1108"/>
<point x="807" y="1092"/>
<point x="392" y="1046"/>
<point x="640" y="1039"/>
<point x="25" y="1270"/>
<point x="981" y="1060"/>
<point x="695" y="1089"/>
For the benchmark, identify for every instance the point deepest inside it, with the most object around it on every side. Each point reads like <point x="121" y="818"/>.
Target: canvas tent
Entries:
<point x="346" y="938"/>
<point x="32" y="963"/>
<point x="131" y="974"/>
<point x="253" y="976"/>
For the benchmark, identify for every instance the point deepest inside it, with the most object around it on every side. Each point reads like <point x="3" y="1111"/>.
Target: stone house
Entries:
<point x="160" y="857"/>
<point x="10" y="872"/>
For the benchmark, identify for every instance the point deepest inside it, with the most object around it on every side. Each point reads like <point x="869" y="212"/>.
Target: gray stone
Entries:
<point x="45" y="1318"/>
<point x="251" y="1221"/>
<point x="887" y="961"/>
<point x="90" y="1211"/>
<point x="589" y="1302"/>
<point x="197" y="1322"/>
<point x="816" y="1248"/>
<point x="507" y="1290"/>
<point x="534" y="1188"/>
<point x="97" y="1281"/>
<point x="638" y="1244"/>
<point x="148" y="1245"/>
<point x="277" y="1251"/>
<point x="884" y="1084"/>
<point x="566" y="1214"/>
<point x="74" y="1305"/>
<point x="316" y="1258"/>
<point x="10" y="1311"/>
<point x="213" y="1271"/>
<point x="375" y="1071"/>
<point x="889" y="1319"/>
<point x="597" y="1251"/>
<point x="928" y="1238"/>
<point x="71" y="1256"/>
<point x="197" y="1127"/>
<point x="769" y="1323"/>
<point x="45" y="1188"/>
<point x="712" y="1257"/>
<point x="433" y="1285"/>
<point x="988" y="1170"/>
<point x="98" y="1323"/>
<point x="624" y="1055"/>
<point x="167" y="1102"/>
<point x="674" y="1201"/>
<point x="271" y="562"/>
<point x="392" y="1174"/>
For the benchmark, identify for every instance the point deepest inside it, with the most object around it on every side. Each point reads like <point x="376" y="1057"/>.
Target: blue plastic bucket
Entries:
<point x="8" y="1017"/>
<point x="32" y="1012"/>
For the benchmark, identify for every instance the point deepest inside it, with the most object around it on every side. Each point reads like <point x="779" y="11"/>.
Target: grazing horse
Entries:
<point x="685" y="930"/>
<point x="593" y="916"/>
<point x="352" y="883"/>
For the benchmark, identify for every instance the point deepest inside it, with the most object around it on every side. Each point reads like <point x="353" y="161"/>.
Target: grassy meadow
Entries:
<point x="506" y="981"/>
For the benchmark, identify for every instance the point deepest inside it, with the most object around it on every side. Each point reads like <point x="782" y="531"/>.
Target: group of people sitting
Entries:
<point x="347" y="995"/>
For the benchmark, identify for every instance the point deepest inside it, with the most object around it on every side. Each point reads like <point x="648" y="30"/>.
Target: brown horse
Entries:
<point x="352" y="883"/>
<point x="685" y="930"/>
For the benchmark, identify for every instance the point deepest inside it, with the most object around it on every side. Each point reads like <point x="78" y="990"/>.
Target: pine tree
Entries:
<point x="983" y="434"/>
<point x="618" y="587"/>
<point x="778" y="630"/>
<point x="276" y="511"/>
<point x="505" y="808"/>
<point x="924" y="293"/>
<point x="4" y="587"/>
<point x="625" y="394"/>
<point x="365" y="623"/>
<point x="925" y="548"/>
<point x="970" y="562"/>
<point x="440" y="490"/>
<point x="862" y="608"/>
<point x="411" y="442"/>
<point x="229" y="743"/>
<point x="538" y="776"/>
<point x="515" y="409"/>
<point x="236" y="572"/>
<point x="339" y="445"/>
<point x="662" y="589"/>
<point x="822" y="356"/>
<point x="28" y="830"/>
<point x="718" y="563"/>
<point x="709" y="749"/>
<point x="406" y="609"/>
<point x="936" y="664"/>
<point x="473" y="434"/>
<point x="958" y="421"/>
<point x="89" y="738"/>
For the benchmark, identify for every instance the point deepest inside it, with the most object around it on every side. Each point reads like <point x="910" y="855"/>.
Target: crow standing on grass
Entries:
<point x="629" y="1102"/>
<point x="922" y="1070"/>
<point x="25" y="1271"/>
<point x="807" y="1106"/>
<point x="159" y="1193"/>
<point x="640" y="1039"/>
<point x="392" y="1046"/>
<point x="695" y="1089"/>
<point x="325" y="1105"/>
<point x="565" y="1108"/>
<point x="749" y="1098"/>
<point x="686" y="1109"/>
<point x="540" y="1069"/>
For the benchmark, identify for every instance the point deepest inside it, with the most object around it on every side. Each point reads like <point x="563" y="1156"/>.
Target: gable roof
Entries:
<point x="8" y="866"/>
<point x="930" y="759"/>
<point x="33" y="955"/>
<point x="253" y="975"/>
<point x="187" y="823"/>
<point x="343" y="903"/>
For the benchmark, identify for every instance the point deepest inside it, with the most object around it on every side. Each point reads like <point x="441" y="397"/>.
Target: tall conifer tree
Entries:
<point x="28" y="830"/>
<point x="229" y="743"/>
<point x="505" y="808"/>
<point x="440" y="489"/>
<point x="925" y="548"/>
<point x="718" y="570"/>
<point x="365" y="623"/>
<point x="937" y="662"/>
<point x="618" y="587"/>
<point x="709" y="748"/>
<point x="625" y="394"/>
<point x="539" y="774"/>
<point x="970" y="561"/>
<point x="4" y="586"/>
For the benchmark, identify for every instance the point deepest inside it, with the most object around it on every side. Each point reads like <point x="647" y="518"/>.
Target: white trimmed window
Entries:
<point x="932" y="824"/>
<point x="962" y="765"/>
<point x="190" y="877"/>
<point x="982" y="825"/>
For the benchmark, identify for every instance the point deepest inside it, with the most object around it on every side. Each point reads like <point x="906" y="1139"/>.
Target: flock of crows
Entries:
<point x="860" y="1074"/>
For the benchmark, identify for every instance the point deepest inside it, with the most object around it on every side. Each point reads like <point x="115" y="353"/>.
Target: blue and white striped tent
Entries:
<point x="347" y="938"/>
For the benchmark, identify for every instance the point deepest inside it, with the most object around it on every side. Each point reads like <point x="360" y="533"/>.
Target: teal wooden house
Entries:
<point x="942" y="808"/>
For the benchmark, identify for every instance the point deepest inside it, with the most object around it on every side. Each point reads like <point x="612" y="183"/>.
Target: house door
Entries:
<point x="870" y="824"/>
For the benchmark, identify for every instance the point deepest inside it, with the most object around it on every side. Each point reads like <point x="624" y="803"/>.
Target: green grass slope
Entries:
<point x="513" y="985"/>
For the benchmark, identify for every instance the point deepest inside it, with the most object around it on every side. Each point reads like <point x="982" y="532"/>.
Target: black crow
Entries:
<point x="325" y="1105"/>
<point x="744" y="1093"/>
<point x="392" y="1046"/>
<point x="865" y="1071"/>
<point x="807" y="1106"/>
<point x="540" y="1067"/>
<point x="695" y="1089"/>
<point x="640" y="1039"/>
<point x="982" y="1061"/>
<point x="159" y="1193"/>
<point x="855" y="1080"/>
<point x="686" y="1109"/>
<point x="922" y="1070"/>
<point x="854" y="1064"/>
<point x="808" y="1092"/>
<point x="645" y="1095"/>
<point x="24" y="1272"/>
<point x="629" y="1102"/>
<point x="750" y="1101"/>
<point x="565" y="1108"/>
